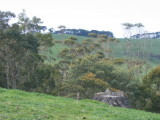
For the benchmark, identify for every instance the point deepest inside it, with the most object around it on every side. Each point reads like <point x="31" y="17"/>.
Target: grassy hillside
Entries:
<point x="65" y="36"/>
<point x="19" y="105"/>
<point x="118" y="48"/>
<point x="58" y="46"/>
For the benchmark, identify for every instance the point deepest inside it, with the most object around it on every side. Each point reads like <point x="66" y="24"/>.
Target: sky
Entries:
<point x="107" y="15"/>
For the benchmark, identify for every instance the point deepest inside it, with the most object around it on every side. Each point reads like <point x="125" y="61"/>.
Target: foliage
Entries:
<point x="119" y="49"/>
<point x="146" y="94"/>
<point x="69" y="42"/>
<point x="92" y="35"/>
<point x="86" y="72"/>
<point x="86" y="86"/>
<point x="21" y="65"/>
<point x="151" y="85"/>
<point x="102" y="36"/>
<point x="82" y="32"/>
<point x="28" y="25"/>
<point x="62" y="28"/>
<point x="18" y="53"/>
<point x="72" y="38"/>
<point x="84" y="65"/>
<point x="45" y="40"/>
<point x="153" y="79"/>
<point x="4" y="19"/>
<point x="45" y="79"/>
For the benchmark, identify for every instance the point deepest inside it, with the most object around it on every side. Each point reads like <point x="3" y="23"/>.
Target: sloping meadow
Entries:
<point x="19" y="105"/>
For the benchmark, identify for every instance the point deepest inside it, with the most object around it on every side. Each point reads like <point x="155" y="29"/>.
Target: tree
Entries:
<point x="61" y="28"/>
<point x="36" y="25"/>
<point x="152" y="79"/>
<point x="45" y="40"/>
<point x="19" y="52"/>
<point x="86" y="86"/>
<point x="137" y="50"/>
<point x="72" y="38"/>
<point x="45" y="79"/>
<point x="148" y="93"/>
<point x="51" y="30"/>
<point x="92" y="35"/>
<point x="128" y="29"/>
<point x="138" y="27"/>
<point x="102" y="36"/>
<point x="24" y="22"/>
<point x="21" y="66"/>
<point x="28" y="25"/>
<point x="104" y="70"/>
<point x="4" y="19"/>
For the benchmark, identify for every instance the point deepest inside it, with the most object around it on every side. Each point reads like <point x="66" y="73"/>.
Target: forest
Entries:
<point x="82" y="67"/>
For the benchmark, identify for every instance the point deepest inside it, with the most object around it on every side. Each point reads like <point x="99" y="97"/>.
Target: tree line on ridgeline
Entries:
<point x="81" y="32"/>
<point x="83" y="68"/>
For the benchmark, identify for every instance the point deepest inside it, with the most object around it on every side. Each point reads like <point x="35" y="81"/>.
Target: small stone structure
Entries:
<point x="113" y="98"/>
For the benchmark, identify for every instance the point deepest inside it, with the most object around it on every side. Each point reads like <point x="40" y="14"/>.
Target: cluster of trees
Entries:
<point x="21" y="65"/>
<point x="89" y="67"/>
<point x="83" y="68"/>
<point x="155" y="35"/>
<point x="136" y="31"/>
<point x="132" y="29"/>
<point x="146" y="94"/>
<point x="81" y="32"/>
<point x="74" y="65"/>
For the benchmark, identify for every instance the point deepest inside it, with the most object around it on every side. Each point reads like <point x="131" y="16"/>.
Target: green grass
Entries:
<point x="65" y="36"/>
<point x="58" y="46"/>
<point x="19" y="105"/>
<point x="119" y="49"/>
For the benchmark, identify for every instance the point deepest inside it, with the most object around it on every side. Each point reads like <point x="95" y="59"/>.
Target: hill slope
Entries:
<point x="119" y="49"/>
<point x="19" y="105"/>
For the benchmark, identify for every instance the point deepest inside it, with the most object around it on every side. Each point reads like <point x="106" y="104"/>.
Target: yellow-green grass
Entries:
<point x="19" y="105"/>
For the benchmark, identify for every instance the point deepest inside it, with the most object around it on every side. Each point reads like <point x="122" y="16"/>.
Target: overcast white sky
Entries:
<point x="90" y="14"/>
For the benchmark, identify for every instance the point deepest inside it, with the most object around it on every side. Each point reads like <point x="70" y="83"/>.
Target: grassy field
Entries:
<point x="19" y="105"/>
<point x="65" y="36"/>
<point x="119" y="49"/>
<point x="58" y="46"/>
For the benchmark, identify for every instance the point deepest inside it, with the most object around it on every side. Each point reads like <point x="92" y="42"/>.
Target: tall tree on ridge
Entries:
<point x="62" y="28"/>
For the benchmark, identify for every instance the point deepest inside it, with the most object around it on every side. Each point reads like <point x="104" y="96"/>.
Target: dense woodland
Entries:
<point x="82" y="68"/>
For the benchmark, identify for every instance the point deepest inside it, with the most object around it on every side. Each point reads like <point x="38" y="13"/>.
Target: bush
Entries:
<point x="146" y="95"/>
<point x="87" y="86"/>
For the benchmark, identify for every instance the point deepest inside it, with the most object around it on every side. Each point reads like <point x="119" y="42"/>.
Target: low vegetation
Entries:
<point x="19" y="105"/>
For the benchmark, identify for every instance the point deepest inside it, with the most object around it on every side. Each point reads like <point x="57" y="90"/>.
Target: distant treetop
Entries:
<point x="82" y="32"/>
